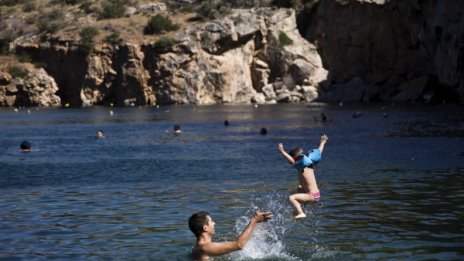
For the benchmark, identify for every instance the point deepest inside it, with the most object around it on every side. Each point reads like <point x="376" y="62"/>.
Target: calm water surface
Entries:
<point x="392" y="187"/>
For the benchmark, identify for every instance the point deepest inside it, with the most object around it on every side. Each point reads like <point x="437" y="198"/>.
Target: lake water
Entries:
<point x="392" y="187"/>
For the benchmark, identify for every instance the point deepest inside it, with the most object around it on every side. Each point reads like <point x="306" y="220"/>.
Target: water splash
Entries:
<point x="266" y="241"/>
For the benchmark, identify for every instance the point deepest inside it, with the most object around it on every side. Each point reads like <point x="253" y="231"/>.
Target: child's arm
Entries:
<point x="285" y="154"/>
<point x="324" y="139"/>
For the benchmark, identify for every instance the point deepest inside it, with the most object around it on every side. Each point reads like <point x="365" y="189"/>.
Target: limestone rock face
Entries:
<point x="229" y="60"/>
<point x="232" y="59"/>
<point x="35" y="88"/>
<point x="394" y="50"/>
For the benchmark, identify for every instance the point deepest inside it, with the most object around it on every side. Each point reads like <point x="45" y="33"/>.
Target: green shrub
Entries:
<point x="87" y="34"/>
<point x="159" y="24"/>
<point x="205" y="37"/>
<point x="113" y="38"/>
<point x="4" y="46"/>
<point x="67" y="2"/>
<point x="24" y="58"/>
<point x="51" y="22"/>
<point x="49" y="27"/>
<point x="112" y="9"/>
<point x="165" y="42"/>
<point x="17" y="72"/>
<point x="286" y="3"/>
<point x="212" y="9"/>
<point x="284" y="39"/>
<point x="12" y="2"/>
<point x="29" y="7"/>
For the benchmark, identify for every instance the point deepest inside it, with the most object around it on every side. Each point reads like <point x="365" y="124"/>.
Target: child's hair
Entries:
<point x="295" y="152"/>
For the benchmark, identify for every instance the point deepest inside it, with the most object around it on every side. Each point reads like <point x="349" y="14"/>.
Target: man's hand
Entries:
<point x="261" y="216"/>
<point x="281" y="147"/>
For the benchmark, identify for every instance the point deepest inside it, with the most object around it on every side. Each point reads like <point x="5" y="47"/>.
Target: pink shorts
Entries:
<point x="316" y="195"/>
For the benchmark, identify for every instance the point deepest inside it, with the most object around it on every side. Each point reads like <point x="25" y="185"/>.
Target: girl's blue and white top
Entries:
<point x="305" y="160"/>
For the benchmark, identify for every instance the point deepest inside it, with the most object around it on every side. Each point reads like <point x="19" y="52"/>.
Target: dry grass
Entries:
<point x="129" y="28"/>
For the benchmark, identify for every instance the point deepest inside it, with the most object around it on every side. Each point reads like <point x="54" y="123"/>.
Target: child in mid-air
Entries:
<point x="304" y="163"/>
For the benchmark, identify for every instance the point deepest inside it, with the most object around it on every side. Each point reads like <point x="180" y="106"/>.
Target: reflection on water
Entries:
<point x="129" y="196"/>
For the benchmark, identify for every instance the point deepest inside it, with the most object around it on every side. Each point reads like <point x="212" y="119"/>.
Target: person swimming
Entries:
<point x="25" y="146"/>
<point x="100" y="134"/>
<point x="177" y="129"/>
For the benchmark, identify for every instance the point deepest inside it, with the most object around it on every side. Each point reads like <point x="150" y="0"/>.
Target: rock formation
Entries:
<point x="390" y="50"/>
<point x="24" y="85"/>
<point x="237" y="59"/>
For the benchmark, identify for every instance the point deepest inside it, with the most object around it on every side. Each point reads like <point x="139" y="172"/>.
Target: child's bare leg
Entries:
<point x="324" y="139"/>
<point x="295" y="200"/>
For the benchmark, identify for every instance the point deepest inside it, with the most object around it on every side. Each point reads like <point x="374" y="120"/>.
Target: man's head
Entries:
<point x="201" y="222"/>
<point x="295" y="152"/>
<point x="25" y="146"/>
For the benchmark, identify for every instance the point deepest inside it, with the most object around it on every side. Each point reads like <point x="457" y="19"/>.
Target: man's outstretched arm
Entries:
<point x="222" y="248"/>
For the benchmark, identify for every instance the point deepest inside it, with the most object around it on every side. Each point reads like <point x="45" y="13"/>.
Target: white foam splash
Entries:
<point x="266" y="241"/>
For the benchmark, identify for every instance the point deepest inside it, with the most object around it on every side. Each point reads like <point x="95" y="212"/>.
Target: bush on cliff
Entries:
<point x="17" y="71"/>
<point x="67" y="2"/>
<point x="114" y="38"/>
<point x="113" y="9"/>
<point x="159" y="24"/>
<point x="13" y="2"/>
<point x="284" y="39"/>
<point x="4" y="46"/>
<point x="212" y="9"/>
<point x="51" y="22"/>
<point x="286" y="3"/>
<point x="165" y="42"/>
<point x="87" y="43"/>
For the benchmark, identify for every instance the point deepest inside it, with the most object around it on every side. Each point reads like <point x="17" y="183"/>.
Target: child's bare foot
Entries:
<point x="301" y="215"/>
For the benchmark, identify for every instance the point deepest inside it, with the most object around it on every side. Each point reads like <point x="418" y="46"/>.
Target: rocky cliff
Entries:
<point x="27" y="86"/>
<point x="352" y="50"/>
<point x="240" y="58"/>
<point x="390" y="50"/>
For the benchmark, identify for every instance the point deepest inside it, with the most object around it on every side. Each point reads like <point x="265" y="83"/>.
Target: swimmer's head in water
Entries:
<point x="25" y="145"/>
<point x="197" y="221"/>
<point x="100" y="134"/>
<point x="177" y="128"/>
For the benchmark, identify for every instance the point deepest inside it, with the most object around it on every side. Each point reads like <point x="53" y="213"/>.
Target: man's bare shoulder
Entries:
<point x="198" y="253"/>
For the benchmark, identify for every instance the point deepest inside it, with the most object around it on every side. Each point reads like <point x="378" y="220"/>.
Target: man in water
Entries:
<point x="25" y="146"/>
<point x="202" y="225"/>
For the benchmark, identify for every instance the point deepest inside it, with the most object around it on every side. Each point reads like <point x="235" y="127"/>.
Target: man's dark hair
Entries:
<point x="25" y="145"/>
<point x="176" y="127"/>
<point x="197" y="221"/>
<point x="295" y="152"/>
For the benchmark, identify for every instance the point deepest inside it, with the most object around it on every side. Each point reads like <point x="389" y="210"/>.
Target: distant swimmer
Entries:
<point x="263" y="131"/>
<point x="357" y="114"/>
<point x="177" y="129"/>
<point x="226" y="123"/>
<point x="25" y="146"/>
<point x="304" y="163"/>
<point x="202" y="226"/>
<point x="100" y="134"/>
<point x="323" y="117"/>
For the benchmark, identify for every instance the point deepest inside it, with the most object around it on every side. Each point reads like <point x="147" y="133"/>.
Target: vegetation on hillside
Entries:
<point x="108" y="21"/>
